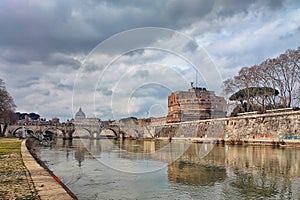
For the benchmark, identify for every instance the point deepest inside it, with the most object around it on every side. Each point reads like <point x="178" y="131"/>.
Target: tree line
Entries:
<point x="275" y="83"/>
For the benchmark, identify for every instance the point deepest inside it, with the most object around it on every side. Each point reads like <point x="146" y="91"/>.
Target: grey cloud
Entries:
<point x="152" y="90"/>
<point x="105" y="91"/>
<point x="274" y="4"/>
<point x="228" y="8"/>
<point x="91" y="67"/>
<point x="20" y="55"/>
<point x="78" y="26"/>
<point x="190" y="46"/>
<point x="38" y="39"/>
<point x="27" y="83"/>
<point x="189" y="9"/>
<point x="61" y="86"/>
<point x="141" y="74"/>
<point x="135" y="52"/>
<point x="64" y="60"/>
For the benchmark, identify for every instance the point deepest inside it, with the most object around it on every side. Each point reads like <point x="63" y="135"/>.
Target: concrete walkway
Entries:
<point x="45" y="184"/>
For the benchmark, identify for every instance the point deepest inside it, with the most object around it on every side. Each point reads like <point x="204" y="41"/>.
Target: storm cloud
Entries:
<point x="43" y="45"/>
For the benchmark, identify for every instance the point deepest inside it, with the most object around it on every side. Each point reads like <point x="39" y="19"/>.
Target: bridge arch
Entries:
<point x="29" y="131"/>
<point x="78" y="132"/>
<point x="49" y="134"/>
<point x="111" y="129"/>
<point x="14" y="132"/>
<point x="53" y="130"/>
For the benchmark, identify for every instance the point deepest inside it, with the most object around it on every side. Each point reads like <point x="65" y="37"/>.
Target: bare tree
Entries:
<point x="284" y="72"/>
<point x="7" y="107"/>
<point x="281" y="73"/>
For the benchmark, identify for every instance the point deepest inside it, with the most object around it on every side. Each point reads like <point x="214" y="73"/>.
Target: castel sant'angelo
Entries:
<point x="195" y="104"/>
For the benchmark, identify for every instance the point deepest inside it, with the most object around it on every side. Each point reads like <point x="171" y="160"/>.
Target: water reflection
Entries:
<point x="225" y="172"/>
<point x="194" y="174"/>
<point x="271" y="161"/>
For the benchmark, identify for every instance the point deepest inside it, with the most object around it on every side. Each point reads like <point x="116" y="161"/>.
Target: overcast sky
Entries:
<point x="56" y="56"/>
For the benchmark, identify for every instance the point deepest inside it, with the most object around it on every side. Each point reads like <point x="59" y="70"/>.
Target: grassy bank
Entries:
<point x="9" y="146"/>
<point x="15" y="180"/>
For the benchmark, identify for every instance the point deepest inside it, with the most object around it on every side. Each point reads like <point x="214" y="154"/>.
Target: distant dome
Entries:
<point x="79" y="115"/>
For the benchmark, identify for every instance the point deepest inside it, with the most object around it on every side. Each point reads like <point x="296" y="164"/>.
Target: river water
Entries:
<point x="133" y="169"/>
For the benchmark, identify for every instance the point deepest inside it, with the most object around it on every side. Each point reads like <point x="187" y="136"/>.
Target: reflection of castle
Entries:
<point x="195" y="104"/>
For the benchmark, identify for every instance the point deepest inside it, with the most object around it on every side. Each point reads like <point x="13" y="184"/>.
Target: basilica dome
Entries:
<point x="79" y="115"/>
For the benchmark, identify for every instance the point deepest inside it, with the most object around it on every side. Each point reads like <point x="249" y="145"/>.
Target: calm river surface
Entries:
<point x="132" y="169"/>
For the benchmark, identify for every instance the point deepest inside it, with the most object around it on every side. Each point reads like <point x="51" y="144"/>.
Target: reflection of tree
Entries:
<point x="260" y="186"/>
<point x="194" y="174"/>
<point x="189" y="169"/>
<point x="259" y="171"/>
<point x="273" y="162"/>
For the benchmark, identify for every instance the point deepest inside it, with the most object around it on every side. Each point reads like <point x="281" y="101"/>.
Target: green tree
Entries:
<point x="253" y="97"/>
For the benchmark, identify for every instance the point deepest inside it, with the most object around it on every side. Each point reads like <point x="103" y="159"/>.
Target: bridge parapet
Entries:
<point x="269" y="125"/>
<point x="62" y="130"/>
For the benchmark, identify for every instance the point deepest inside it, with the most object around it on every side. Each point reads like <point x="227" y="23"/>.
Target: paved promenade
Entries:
<point x="46" y="186"/>
<point x="21" y="177"/>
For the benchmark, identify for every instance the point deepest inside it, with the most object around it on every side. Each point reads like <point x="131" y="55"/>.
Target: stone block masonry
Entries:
<point x="272" y="126"/>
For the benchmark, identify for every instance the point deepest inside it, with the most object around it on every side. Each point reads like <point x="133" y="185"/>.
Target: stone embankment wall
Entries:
<point x="268" y="126"/>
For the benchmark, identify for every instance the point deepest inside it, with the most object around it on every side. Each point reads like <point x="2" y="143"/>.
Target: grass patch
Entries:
<point x="10" y="145"/>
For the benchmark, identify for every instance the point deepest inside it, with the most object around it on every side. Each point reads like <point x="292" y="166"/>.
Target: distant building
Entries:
<point x="27" y="118"/>
<point x="55" y="120"/>
<point x="81" y="119"/>
<point x="195" y="104"/>
<point x="154" y="121"/>
<point x="129" y="121"/>
<point x="79" y="115"/>
<point x="83" y="123"/>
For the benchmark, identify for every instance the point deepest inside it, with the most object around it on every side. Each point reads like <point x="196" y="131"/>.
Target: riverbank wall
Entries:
<point x="273" y="127"/>
<point x="46" y="183"/>
<point x="281" y="125"/>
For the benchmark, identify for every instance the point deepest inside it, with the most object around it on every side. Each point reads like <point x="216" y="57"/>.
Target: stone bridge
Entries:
<point x="40" y="131"/>
<point x="98" y="130"/>
<point x="268" y="125"/>
<point x="65" y="130"/>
